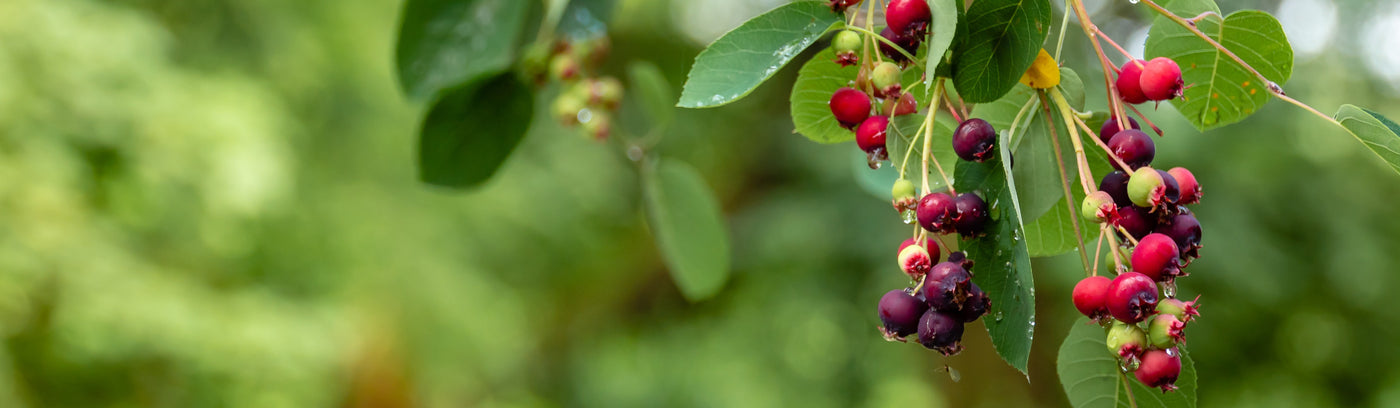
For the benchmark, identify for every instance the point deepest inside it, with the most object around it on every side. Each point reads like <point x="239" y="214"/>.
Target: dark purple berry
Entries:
<point x="974" y="139"/>
<point x="1132" y="297"/>
<point x="1134" y="147"/>
<point x="1136" y="220"/>
<point x="1185" y="231"/>
<point x="907" y="42"/>
<point x="976" y="305"/>
<point x="1110" y="128"/>
<point x="946" y="287"/>
<point x="936" y="211"/>
<point x="1116" y="185"/>
<point x="940" y="332"/>
<point x="900" y="313"/>
<point x="971" y="216"/>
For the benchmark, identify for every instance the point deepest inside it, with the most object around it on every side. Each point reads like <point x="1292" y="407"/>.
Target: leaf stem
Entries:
<point x="1305" y="106"/>
<point x="1064" y="180"/>
<point x="1128" y="387"/>
<point x="903" y="164"/>
<point x="928" y="141"/>
<point x="1098" y="248"/>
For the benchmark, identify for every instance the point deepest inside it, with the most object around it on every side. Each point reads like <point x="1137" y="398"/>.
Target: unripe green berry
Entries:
<point x="846" y="41"/>
<point x="566" y="107"/>
<point x="606" y="92"/>
<point x="598" y="126"/>
<point x="885" y="78"/>
<point x="564" y="68"/>
<point x="1143" y="184"/>
<point x="1164" y="331"/>
<point x="1097" y="207"/>
<point x="1126" y="340"/>
<point x="1183" y="310"/>
<point x="903" y="189"/>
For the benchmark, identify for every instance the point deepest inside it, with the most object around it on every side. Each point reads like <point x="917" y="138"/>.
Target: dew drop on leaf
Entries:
<point x="998" y="316"/>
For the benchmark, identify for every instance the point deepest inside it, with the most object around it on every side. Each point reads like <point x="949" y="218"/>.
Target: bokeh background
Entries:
<point x="212" y="203"/>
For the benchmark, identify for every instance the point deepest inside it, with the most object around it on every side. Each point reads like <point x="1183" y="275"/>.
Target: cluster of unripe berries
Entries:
<point x="866" y="106"/>
<point x="585" y="100"/>
<point x="1145" y="321"/>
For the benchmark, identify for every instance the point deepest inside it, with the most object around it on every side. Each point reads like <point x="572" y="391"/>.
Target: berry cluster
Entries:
<point x="1145" y="207"/>
<point x="587" y="100"/>
<point x="939" y="305"/>
<point x="1156" y="80"/>
<point x="867" y="105"/>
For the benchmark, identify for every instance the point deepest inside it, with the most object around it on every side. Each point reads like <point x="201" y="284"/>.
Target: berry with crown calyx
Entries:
<point x="1157" y="257"/>
<point x="1090" y="295"/>
<point x="885" y="77"/>
<point x="915" y="260"/>
<point x="1190" y="190"/>
<point x="850" y="106"/>
<point x="899" y="314"/>
<point x="1132" y="297"/>
<point x="974" y="139"/>
<point x="1099" y="207"/>
<point x="1160" y="368"/>
<point x="1161" y="79"/>
<point x="902" y="197"/>
<point x="940" y="332"/>
<point x="846" y="44"/>
<point x="1184" y="311"/>
<point x="936" y="212"/>
<point x="1126" y="341"/>
<point x="1129" y="82"/>
<point x="870" y="136"/>
<point x="1165" y="331"/>
<point x="1134" y="147"/>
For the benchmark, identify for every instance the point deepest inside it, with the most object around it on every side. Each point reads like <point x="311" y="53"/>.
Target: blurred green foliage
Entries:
<point x="212" y="203"/>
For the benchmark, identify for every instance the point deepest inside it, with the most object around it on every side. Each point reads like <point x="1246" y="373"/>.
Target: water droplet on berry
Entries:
<point x="1169" y="289"/>
<point x="909" y="216"/>
<point x="1171" y="352"/>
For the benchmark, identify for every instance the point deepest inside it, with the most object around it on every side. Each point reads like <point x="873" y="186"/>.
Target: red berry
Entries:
<point x="909" y="43"/>
<point x="906" y="105"/>
<point x="935" y="212"/>
<point x="870" y="136"/>
<point x="1159" y="369"/>
<point x="1089" y="296"/>
<point x="1132" y="297"/>
<point x="1134" y="147"/>
<point x="1161" y="79"/>
<point x="850" y="106"/>
<point x="1128" y="83"/>
<point x="908" y="17"/>
<point x="900" y="313"/>
<point x="946" y="287"/>
<point x="940" y="332"/>
<point x="1157" y="257"/>
<point x="1185" y="231"/>
<point x="974" y="139"/>
<point x="1110" y="128"/>
<point x="1190" y="190"/>
<point x="971" y="216"/>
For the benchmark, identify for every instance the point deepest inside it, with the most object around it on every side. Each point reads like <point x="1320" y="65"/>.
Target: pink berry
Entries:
<point x="1132" y="297"/>
<point x="1159" y="369"/>
<point x="850" y="106"/>
<point x="1128" y="83"/>
<point x="1161" y="79"/>
<point x="1190" y="190"/>
<point x="1089" y="296"/>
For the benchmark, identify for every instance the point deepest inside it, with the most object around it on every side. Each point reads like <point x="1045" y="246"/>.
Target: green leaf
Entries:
<point x="1003" y="38"/>
<point x="818" y="79"/>
<point x="1036" y="171"/>
<point x="941" y="33"/>
<point x="1377" y="132"/>
<point x="1221" y="91"/>
<point x="470" y="131"/>
<point x="743" y="58"/>
<point x="1002" y="264"/>
<point x="652" y="90"/>
<point x="686" y="223"/>
<point x="897" y="140"/>
<point x="447" y="43"/>
<point x="1090" y="376"/>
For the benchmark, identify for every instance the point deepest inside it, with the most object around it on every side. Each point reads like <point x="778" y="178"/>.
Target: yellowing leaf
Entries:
<point x="1043" y="73"/>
